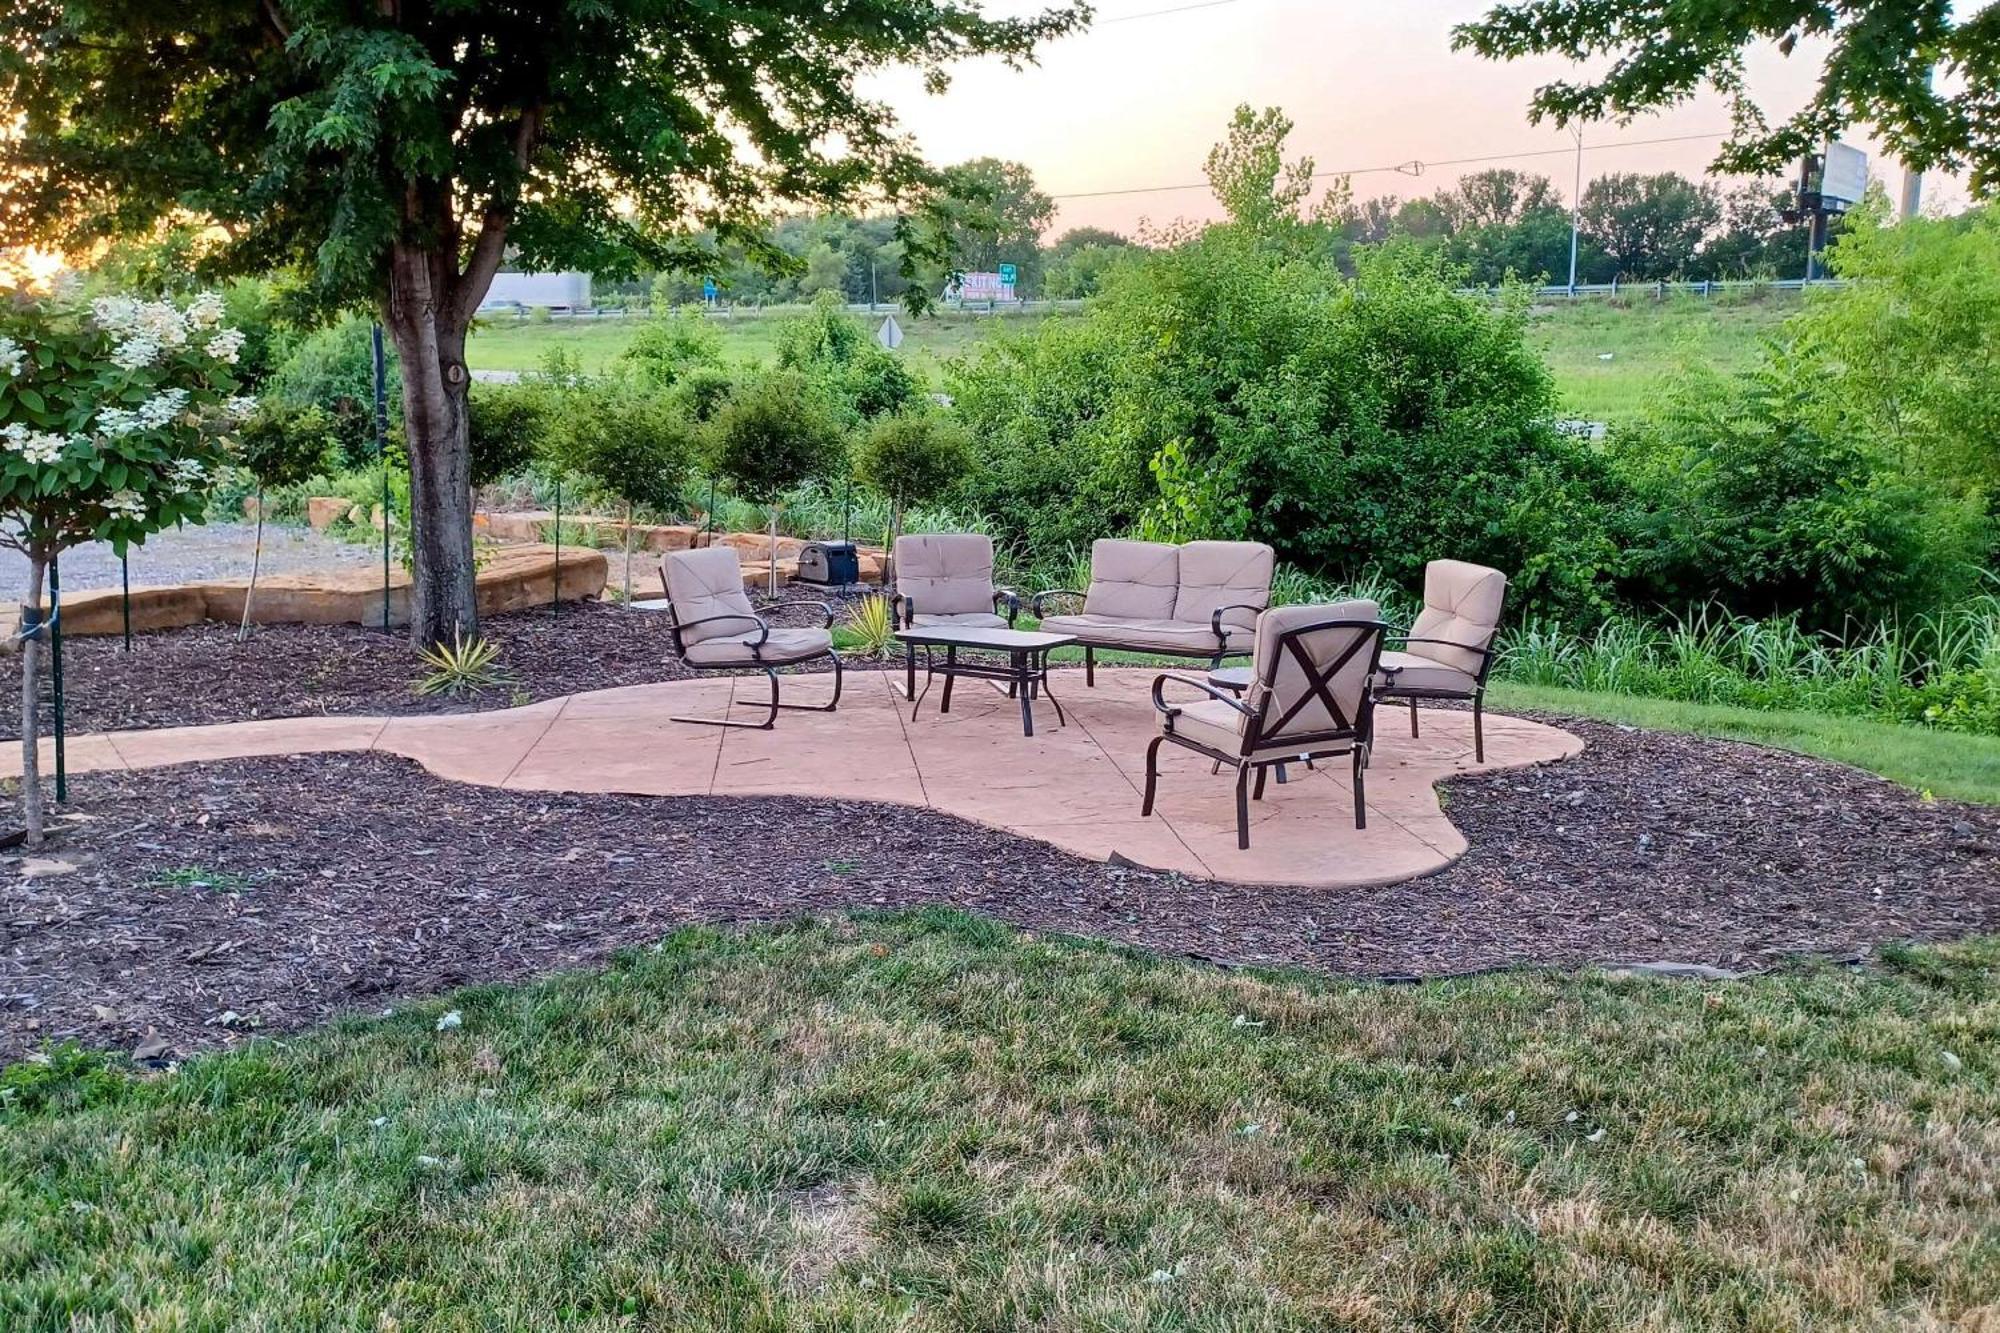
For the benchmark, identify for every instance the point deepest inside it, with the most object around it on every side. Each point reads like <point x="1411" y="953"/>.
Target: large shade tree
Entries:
<point x="394" y="151"/>
<point x="1920" y="72"/>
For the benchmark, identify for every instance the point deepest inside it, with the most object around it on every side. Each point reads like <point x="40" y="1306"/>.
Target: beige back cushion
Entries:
<point x="1217" y="574"/>
<point x="1290" y="681"/>
<point x="705" y="583"/>
<point x="1461" y="606"/>
<point x="946" y="573"/>
<point x="1132" y="580"/>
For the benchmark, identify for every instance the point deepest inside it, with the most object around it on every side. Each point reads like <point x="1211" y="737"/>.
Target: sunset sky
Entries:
<point x="1138" y="102"/>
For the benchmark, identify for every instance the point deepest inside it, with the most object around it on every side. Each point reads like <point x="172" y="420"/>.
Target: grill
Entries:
<point x="829" y="564"/>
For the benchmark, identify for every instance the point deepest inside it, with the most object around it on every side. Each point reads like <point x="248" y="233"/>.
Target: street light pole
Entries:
<point x="1575" y="206"/>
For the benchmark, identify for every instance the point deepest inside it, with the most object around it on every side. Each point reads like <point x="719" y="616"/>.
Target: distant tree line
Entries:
<point x="1491" y="224"/>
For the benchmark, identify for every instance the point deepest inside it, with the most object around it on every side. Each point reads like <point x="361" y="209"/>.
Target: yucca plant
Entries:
<point x="870" y="628"/>
<point x="462" y="667"/>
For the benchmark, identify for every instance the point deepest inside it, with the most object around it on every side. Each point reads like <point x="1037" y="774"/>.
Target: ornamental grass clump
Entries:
<point x="114" y="417"/>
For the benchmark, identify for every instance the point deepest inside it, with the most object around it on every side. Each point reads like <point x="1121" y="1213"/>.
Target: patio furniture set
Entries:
<point x="1309" y="692"/>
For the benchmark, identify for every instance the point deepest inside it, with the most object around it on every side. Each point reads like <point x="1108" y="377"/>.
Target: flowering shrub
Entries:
<point x="112" y="417"/>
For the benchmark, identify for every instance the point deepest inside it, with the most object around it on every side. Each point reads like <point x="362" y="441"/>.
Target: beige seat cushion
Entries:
<point x="1461" y="606"/>
<point x="1421" y="673"/>
<point x="1215" y="724"/>
<point x="783" y="645"/>
<point x="705" y="583"/>
<point x="965" y="620"/>
<point x="1218" y="574"/>
<point x="1132" y="580"/>
<point x="1170" y="636"/>
<point x="946" y="573"/>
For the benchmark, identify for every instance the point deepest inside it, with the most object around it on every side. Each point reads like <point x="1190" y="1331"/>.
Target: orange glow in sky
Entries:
<point x="1139" y="102"/>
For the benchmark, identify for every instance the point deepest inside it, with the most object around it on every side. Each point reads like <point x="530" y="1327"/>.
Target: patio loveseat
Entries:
<point x="1200" y="599"/>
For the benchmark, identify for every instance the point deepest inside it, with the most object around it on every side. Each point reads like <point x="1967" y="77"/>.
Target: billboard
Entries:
<point x="1844" y="179"/>
<point x="981" y="287"/>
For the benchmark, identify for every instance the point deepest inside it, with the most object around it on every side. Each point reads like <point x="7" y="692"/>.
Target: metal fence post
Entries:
<point x="55" y="671"/>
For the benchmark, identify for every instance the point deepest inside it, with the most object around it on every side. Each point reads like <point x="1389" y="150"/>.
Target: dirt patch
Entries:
<point x="201" y="674"/>
<point x="213" y="901"/>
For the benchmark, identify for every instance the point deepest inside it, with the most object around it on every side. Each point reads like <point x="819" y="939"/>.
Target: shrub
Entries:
<point x="771" y="434"/>
<point x="334" y="370"/>
<point x="859" y="379"/>
<point x="1746" y="500"/>
<point x="701" y="392"/>
<point x="672" y="343"/>
<point x="629" y="439"/>
<point x="914" y="456"/>
<point x="509" y="426"/>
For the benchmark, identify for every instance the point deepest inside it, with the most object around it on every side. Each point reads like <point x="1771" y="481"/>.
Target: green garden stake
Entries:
<point x="555" y="593"/>
<point x="382" y="456"/>
<point x="55" y="672"/>
<point x="125" y="588"/>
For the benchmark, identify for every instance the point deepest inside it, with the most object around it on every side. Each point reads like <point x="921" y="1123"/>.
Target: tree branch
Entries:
<point x="491" y="244"/>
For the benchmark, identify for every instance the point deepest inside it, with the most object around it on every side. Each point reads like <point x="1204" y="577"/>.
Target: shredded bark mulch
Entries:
<point x="214" y="901"/>
<point x="201" y="674"/>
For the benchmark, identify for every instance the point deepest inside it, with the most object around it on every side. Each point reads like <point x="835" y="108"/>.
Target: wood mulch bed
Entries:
<point x="201" y="674"/>
<point x="211" y="902"/>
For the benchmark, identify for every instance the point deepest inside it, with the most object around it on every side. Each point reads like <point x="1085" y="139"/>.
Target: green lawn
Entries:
<point x="930" y="1122"/>
<point x="1946" y="764"/>
<point x="1646" y="339"/>
<point x="747" y="339"/>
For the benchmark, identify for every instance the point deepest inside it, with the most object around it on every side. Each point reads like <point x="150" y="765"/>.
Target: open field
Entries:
<point x="747" y="339"/>
<point x="933" y="1121"/>
<point x="1645" y="338"/>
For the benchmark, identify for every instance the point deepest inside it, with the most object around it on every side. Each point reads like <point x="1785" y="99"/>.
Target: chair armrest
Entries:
<point x="763" y="629"/>
<point x="1035" y="604"/>
<point x="1008" y="600"/>
<point x="1447" y="643"/>
<point x="1215" y="620"/>
<point x="825" y="608"/>
<point x="1165" y="709"/>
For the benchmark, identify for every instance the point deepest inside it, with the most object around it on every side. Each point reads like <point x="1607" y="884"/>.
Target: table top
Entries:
<point x="967" y="636"/>
<point x="1230" y="678"/>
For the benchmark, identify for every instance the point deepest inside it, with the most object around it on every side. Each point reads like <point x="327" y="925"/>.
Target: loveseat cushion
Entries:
<point x="1173" y="636"/>
<point x="1133" y="580"/>
<point x="1218" y="574"/>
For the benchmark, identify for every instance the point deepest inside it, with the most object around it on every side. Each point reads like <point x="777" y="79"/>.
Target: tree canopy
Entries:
<point x="1880" y="59"/>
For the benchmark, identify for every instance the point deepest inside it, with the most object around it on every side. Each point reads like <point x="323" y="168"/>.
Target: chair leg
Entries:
<point x="1478" y="728"/>
<point x="1089" y="667"/>
<point x="770" y="712"/>
<point x="1258" y="794"/>
<point x="1243" y="807"/>
<point x="1360" y="790"/>
<point x="1152" y="775"/>
<point x="1413" y="715"/>
<point x="910" y="671"/>
<point x="826" y="707"/>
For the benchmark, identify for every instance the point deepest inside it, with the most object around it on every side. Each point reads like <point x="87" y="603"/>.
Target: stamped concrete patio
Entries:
<point x="1076" y="787"/>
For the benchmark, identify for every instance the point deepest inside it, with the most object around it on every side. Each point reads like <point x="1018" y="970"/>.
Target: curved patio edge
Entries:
<point x="1076" y="787"/>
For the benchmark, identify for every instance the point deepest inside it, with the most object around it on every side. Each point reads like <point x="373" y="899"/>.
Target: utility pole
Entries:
<point x="1575" y="206"/>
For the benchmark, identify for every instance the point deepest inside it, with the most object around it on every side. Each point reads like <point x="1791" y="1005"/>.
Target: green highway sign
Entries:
<point x="1008" y="274"/>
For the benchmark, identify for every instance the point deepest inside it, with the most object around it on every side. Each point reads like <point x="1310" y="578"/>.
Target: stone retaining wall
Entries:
<point x="511" y="578"/>
<point x="752" y="548"/>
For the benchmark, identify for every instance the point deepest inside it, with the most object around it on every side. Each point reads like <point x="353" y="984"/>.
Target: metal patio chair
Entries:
<point x="1308" y="698"/>
<point x="715" y="629"/>
<point x="1449" y="648"/>
<point x="945" y="579"/>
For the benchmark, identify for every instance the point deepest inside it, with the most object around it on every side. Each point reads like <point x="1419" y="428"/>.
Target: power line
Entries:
<point x="1412" y="167"/>
<point x="1160" y="13"/>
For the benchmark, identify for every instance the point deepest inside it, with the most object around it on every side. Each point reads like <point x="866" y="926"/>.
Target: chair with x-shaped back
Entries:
<point x="1309" y="697"/>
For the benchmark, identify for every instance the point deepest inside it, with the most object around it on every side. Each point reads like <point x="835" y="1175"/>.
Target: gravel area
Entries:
<point x="192" y="907"/>
<point x="201" y="674"/>
<point x="197" y="554"/>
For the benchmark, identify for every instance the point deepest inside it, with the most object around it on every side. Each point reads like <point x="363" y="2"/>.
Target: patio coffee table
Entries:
<point x="1026" y="670"/>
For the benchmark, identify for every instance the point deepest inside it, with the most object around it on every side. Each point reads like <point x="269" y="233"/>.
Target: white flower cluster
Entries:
<point x="126" y="504"/>
<point x="159" y="410"/>
<point x="240" y="407"/>
<point x="187" y="473"/>
<point x="145" y="329"/>
<point x="35" y="446"/>
<point x="12" y="357"/>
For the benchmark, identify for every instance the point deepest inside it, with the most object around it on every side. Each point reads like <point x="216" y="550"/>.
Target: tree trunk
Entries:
<point x="430" y="344"/>
<point x="256" y="560"/>
<point x="775" y="507"/>
<point x="31" y="704"/>
<point x="628" y="553"/>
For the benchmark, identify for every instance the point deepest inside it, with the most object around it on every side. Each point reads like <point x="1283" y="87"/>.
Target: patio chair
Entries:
<point x="946" y="578"/>
<point x="715" y="628"/>
<point x="1449" y="648"/>
<point x="1309" y="698"/>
